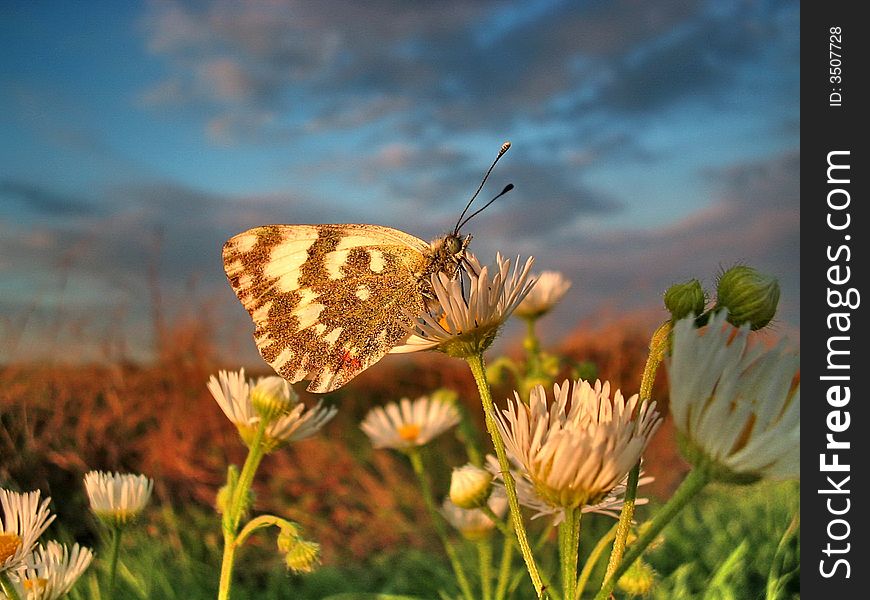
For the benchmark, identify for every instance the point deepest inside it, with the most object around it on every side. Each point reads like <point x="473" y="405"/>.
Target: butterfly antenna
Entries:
<point x="506" y="189"/>
<point x="504" y="148"/>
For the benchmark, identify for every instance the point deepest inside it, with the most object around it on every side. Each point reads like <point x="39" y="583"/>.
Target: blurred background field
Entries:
<point x="362" y="505"/>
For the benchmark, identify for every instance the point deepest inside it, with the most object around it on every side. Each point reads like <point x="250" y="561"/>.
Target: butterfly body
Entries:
<point x="328" y="301"/>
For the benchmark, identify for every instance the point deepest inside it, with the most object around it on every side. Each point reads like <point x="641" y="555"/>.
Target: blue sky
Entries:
<point x="652" y="142"/>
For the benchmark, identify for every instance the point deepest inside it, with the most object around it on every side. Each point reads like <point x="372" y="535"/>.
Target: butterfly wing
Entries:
<point x="328" y="301"/>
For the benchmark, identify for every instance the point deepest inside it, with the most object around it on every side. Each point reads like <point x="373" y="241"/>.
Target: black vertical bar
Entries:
<point x="834" y="267"/>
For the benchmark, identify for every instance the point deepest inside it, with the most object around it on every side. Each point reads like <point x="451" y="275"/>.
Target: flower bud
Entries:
<point x="223" y="498"/>
<point x="272" y="398"/>
<point x="685" y="299"/>
<point x="638" y="580"/>
<point x="303" y="556"/>
<point x="288" y="537"/>
<point x="470" y="486"/>
<point x="749" y="296"/>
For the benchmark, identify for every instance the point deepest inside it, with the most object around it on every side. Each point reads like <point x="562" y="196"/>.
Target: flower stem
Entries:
<point x="504" y="570"/>
<point x="229" y="556"/>
<point x="428" y="498"/>
<point x="478" y="369"/>
<point x="468" y="436"/>
<point x="236" y="508"/>
<point x="590" y="563"/>
<point x="502" y="526"/>
<point x="530" y="343"/>
<point x="238" y="504"/>
<point x="113" y="558"/>
<point x="569" y="543"/>
<point x="533" y="358"/>
<point x="692" y="484"/>
<point x="623" y="526"/>
<point x="658" y="347"/>
<point x="259" y="523"/>
<point x="484" y="555"/>
<point x="7" y="587"/>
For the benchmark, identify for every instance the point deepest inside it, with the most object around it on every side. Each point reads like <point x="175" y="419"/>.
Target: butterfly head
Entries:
<point x="450" y="248"/>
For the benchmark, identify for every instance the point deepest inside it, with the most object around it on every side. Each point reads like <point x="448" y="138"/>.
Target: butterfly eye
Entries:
<point x="453" y="244"/>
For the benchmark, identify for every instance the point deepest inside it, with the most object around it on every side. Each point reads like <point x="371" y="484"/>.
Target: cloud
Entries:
<point x="38" y="199"/>
<point x="754" y="218"/>
<point x="483" y="65"/>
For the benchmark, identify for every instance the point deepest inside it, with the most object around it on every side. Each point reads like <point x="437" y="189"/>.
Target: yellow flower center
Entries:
<point x="9" y="543"/>
<point x="36" y="584"/>
<point x="408" y="432"/>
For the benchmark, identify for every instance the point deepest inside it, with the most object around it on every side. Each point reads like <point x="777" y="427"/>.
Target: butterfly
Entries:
<point x="329" y="301"/>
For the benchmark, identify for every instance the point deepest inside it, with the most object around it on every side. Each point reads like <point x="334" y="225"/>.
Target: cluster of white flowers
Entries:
<point x="37" y="572"/>
<point x="49" y="571"/>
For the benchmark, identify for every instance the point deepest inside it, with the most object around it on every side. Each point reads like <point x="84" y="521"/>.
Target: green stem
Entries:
<point x="468" y="436"/>
<point x="594" y="556"/>
<point x="658" y="347"/>
<point x="113" y="558"/>
<point x="236" y="508"/>
<point x="226" y="580"/>
<point x="691" y="485"/>
<point x="504" y="570"/>
<point x="7" y="587"/>
<point x="429" y="499"/>
<point x="502" y="526"/>
<point x="623" y="525"/>
<point x="530" y="343"/>
<point x="478" y="369"/>
<point x="774" y="576"/>
<point x="258" y="523"/>
<point x="569" y="543"/>
<point x="238" y="504"/>
<point x="533" y="358"/>
<point x="484" y="555"/>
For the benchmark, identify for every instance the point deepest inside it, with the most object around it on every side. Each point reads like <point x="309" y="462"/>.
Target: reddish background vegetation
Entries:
<point x="57" y="422"/>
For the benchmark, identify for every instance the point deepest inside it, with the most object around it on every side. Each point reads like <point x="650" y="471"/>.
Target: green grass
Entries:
<point x="732" y="544"/>
<point x="738" y="543"/>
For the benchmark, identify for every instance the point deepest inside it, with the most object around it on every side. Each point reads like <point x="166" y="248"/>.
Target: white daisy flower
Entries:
<point x="234" y="395"/>
<point x="117" y="498"/>
<point x="51" y="571"/>
<point x="409" y="424"/>
<point x="24" y="520"/>
<point x="463" y="326"/>
<point x="576" y="456"/>
<point x="735" y="405"/>
<point x="550" y="287"/>
<point x="610" y="506"/>
<point x="474" y="524"/>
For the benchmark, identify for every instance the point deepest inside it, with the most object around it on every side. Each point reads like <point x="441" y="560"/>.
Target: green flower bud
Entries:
<point x="225" y="494"/>
<point x="303" y="556"/>
<point x="272" y="398"/>
<point x="288" y="537"/>
<point x="638" y="580"/>
<point x="470" y="486"/>
<point x="749" y="296"/>
<point x="222" y="501"/>
<point x="685" y="299"/>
